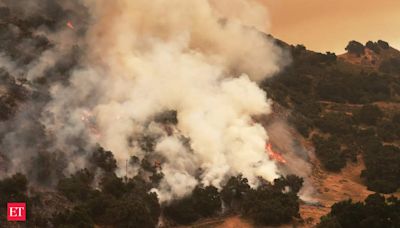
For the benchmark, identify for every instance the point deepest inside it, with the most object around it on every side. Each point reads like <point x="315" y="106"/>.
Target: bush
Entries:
<point x="13" y="189"/>
<point x="329" y="153"/>
<point x="335" y="123"/>
<point x="301" y="123"/>
<point x="383" y="44"/>
<point x="78" y="186"/>
<point x="368" y="114"/>
<point x="376" y="211"/>
<point x="355" y="47"/>
<point x="234" y="190"/>
<point x="310" y="109"/>
<point x="182" y="211"/>
<point x="382" y="168"/>
<point x="391" y="66"/>
<point x="267" y="206"/>
<point x="388" y="131"/>
<point x="104" y="160"/>
<point x="204" y="202"/>
<point x="329" y="222"/>
<point x="77" y="217"/>
<point x="113" y="185"/>
<point x="134" y="210"/>
<point x="207" y="201"/>
<point x="353" y="88"/>
<point x="118" y="203"/>
<point x="373" y="46"/>
<point x="292" y="181"/>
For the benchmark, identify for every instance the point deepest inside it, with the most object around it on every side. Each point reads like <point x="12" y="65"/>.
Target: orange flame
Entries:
<point x="70" y="25"/>
<point x="273" y="155"/>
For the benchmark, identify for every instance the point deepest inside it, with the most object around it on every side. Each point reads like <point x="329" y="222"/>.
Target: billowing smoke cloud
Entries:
<point x="36" y="51"/>
<point x="296" y="156"/>
<point x="142" y="58"/>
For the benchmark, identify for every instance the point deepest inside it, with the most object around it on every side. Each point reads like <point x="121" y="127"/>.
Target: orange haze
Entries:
<point x="328" y="25"/>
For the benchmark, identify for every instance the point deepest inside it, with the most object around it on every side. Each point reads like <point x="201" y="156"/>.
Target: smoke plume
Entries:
<point x="140" y="59"/>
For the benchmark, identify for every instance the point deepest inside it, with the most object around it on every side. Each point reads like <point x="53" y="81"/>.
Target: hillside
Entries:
<point x="330" y="98"/>
<point x="171" y="124"/>
<point x="342" y="105"/>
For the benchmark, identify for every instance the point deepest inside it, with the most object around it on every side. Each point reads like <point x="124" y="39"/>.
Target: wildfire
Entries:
<point x="70" y="25"/>
<point x="274" y="155"/>
<point x="89" y="120"/>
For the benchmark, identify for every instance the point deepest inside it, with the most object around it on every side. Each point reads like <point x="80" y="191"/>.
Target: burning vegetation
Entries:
<point x="129" y="121"/>
<point x="70" y="25"/>
<point x="274" y="155"/>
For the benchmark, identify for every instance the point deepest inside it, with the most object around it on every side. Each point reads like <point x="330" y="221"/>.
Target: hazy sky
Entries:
<point x="328" y="25"/>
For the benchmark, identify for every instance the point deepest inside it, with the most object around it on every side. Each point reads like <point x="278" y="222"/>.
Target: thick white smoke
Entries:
<point x="144" y="57"/>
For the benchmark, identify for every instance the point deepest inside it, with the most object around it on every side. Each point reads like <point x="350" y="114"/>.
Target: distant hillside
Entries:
<point x="374" y="55"/>
<point x="346" y="105"/>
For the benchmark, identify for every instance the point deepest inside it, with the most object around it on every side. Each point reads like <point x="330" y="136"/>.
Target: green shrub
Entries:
<point x="329" y="153"/>
<point x="203" y="202"/>
<point x="368" y="114"/>
<point x="376" y="211"/>
<point x="355" y="47"/>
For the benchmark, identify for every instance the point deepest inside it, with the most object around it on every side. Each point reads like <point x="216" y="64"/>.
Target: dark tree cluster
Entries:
<point x="329" y="153"/>
<point x="383" y="44"/>
<point x="269" y="204"/>
<point x="125" y="202"/>
<point x="377" y="46"/>
<point x="117" y="202"/>
<point x="104" y="160"/>
<point x="336" y="123"/>
<point x="14" y="189"/>
<point x="273" y="204"/>
<point x="382" y="163"/>
<point x="390" y="66"/>
<point x="389" y="129"/>
<point x="358" y="88"/>
<point x="373" y="46"/>
<point x="355" y="47"/>
<point x="368" y="114"/>
<point x="375" y="212"/>
<point x="203" y="202"/>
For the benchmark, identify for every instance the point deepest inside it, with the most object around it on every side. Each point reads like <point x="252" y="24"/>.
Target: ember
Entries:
<point x="70" y="25"/>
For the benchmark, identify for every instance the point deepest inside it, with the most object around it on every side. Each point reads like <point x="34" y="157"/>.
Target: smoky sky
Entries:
<point x="329" y="25"/>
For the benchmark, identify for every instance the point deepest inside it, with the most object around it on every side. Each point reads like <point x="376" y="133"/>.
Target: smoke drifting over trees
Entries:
<point x="135" y="113"/>
<point x="89" y="74"/>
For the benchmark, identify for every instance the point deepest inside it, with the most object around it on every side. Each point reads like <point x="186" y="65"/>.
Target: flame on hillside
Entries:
<point x="273" y="155"/>
<point x="70" y="25"/>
